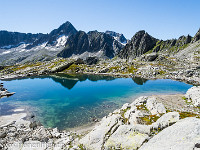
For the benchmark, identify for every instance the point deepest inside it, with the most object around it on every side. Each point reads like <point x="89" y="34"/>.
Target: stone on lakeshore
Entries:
<point x="193" y="94"/>
<point x="126" y="137"/>
<point x="95" y="139"/>
<point x="33" y="125"/>
<point x="166" y="120"/>
<point x="154" y="107"/>
<point x="41" y="134"/>
<point x="139" y="101"/>
<point x="133" y="117"/>
<point x="183" y="135"/>
<point x="125" y="106"/>
<point x="61" y="67"/>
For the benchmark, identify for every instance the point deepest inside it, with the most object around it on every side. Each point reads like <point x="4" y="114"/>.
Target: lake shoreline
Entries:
<point x="137" y="114"/>
<point x="77" y="138"/>
<point x="188" y="80"/>
<point x="111" y="103"/>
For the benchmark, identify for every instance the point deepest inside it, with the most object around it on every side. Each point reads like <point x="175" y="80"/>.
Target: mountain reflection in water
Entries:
<point x="69" y="81"/>
<point x="67" y="101"/>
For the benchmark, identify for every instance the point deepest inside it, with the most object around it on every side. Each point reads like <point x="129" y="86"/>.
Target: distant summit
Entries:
<point x="13" y="39"/>
<point x="52" y="39"/>
<point x="140" y="43"/>
<point x="93" y="43"/>
<point x="66" y="41"/>
<point x="119" y="37"/>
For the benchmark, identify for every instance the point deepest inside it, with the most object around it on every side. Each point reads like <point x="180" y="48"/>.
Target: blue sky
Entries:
<point x="162" y="19"/>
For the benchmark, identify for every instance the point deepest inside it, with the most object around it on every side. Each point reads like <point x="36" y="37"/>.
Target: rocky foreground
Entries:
<point x="159" y="122"/>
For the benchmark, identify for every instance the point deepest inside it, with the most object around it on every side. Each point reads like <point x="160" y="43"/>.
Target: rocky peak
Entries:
<point x="97" y="43"/>
<point x="117" y="36"/>
<point x="196" y="37"/>
<point x="66" y="29"/>
<point x="140" y="43"/>
<point x="76" y="44"/>
<point x="100" y="40"/>
<point x="173" y="45"/>
<point x="183" y="40"/>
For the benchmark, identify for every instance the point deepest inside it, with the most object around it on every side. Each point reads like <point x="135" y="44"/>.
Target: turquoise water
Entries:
<point x="66" y="101"/>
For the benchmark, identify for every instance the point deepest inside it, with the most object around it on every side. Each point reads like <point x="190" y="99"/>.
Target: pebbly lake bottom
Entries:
<point x="67" y="101"/>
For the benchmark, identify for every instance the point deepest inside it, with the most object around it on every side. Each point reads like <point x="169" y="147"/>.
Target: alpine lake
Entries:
<point x="69" y="101"/>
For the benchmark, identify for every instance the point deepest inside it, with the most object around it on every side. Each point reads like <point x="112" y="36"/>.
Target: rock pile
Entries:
<point x="31" y="135"/>
<point x="4" y="92"/>
<point x="130" y="126"/>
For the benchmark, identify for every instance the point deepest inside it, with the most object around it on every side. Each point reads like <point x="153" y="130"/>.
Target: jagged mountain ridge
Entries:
<point x="66" y="41"/>
<point x="117" y="36"/>
<point x="14" y="39"/>
<point x="93" y="42"/>
<point x="142" y="43"/>
<point x="66" y="29"/>
<point x="42" y="47"/>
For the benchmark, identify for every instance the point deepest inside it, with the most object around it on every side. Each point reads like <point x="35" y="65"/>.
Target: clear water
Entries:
<point x="66" y="101"/>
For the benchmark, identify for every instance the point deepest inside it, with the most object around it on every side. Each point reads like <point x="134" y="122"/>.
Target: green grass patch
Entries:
<point x="142" y="107"/>
<point x="81" y="147"/>
<point x="188" y="114"/>
<point x="122" y="112"/>
<point x="161" y="72"/>
<point x="149" y="119"/>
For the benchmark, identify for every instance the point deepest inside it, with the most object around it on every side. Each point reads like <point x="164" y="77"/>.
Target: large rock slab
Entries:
<point x="139" y="101"/>
<point x="149" y="57"/>
<point x="193" y="94"/>
<point x="183" y="135"/>
<point x="154" y="107"/>
<point x="166" y="120"/>
<point x="96" y="138"/>
<point x="127" y="137"/>
<point x="61" y="67"/>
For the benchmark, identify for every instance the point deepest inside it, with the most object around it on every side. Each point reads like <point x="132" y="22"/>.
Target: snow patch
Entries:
<point x="6" y="52"/>
<point x="43" y="44"/>
<point x="117" y="39"/>
<point x="12" y="46"/>
<point x="61" y="40"/>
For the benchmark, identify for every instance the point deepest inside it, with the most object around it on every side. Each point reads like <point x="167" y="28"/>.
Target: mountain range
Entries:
<point x="66" y="41"/>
